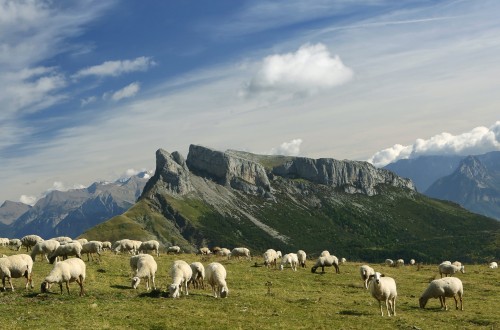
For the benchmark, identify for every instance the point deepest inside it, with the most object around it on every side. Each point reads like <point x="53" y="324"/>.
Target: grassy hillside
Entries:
<point x="296" y="300"/>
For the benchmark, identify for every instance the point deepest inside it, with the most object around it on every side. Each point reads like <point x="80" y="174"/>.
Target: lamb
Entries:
<point x="173" y="249"/>
<point x="365" y="272"/>
<point x="241" y="252"/>
<point x="70" y="249"/>
<point x="143" y="266"/>
<point x="123" y="245"/>
<point x="66" y="271"/>
<point x="326" y="261"/>
<point x="270" y="257"/>
<point x="29" y="241"/>
<point x="152" y="245"/>
<point x="15" y="244"/>
<point x="449" y="269"/>
<point x="16" y="266"/>
<point x="44" y="248"/>
<point x="383" y="288"/>
<point x="181" y="273"/>
<point x="198" y="275"/>
<point x="92" y="247"/>
<point x="290" y="259"/>
<point x="216" y="277"/>
<point x="442" y="288"/>
<point x="389" y="262"/>
<point x="302" y="258"/>
<point x="493" y="265"/>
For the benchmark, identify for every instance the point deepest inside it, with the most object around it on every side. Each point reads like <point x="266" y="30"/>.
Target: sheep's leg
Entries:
<point x="80" y="283"/>
<point x="337" y="270"/>
<point x="394" y="306"/>
<point x="186" y="288"/>
<point x="444" y="303"/>
<point x="67" y="286"/>
<point x="60" y="286"/>
<point x="380" y="305"/>
<point x="388" y="306"/>
<point x="10" y="282"/>
<point x="153" y="280"/>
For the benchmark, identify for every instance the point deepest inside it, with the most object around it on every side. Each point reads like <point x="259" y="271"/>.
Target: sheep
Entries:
<point x="173" y="249"/>
<point x="137" y="245"/>
<point x="44" y="248"/>
<point x="326" y="261"/>
<point x="204" y="251"/>
<point x="343" y="261"/>
<point x="270" y="257"/>
<point x="224" y="252"/>
<point x="152" y="245"/>
<point x="4" y="241"/>
<point x="215" y="250"/>
<point x="181" y="273"/>
<point x="457" y="263"/>
<point x="400" y="263"/>
<point x="30" y="240"/>
<point x="62" y="239"/>
<point x="240" y="252"/>
<point x="449" y="269"/>
<point x="123" y="245"/>
<point x="81" y="240"/>
<point x="92" y="247"/>
<point x="15" y="244"/>
<point x="278" y="253"/>
<point x="106" y="245"/>
<point x="389" y="262"/>
<point x="16" y="266"/>
<point x="383" y="288"/>
<point x="447" y="262"/>
<point x="365" y="272"/>
<point x="197" y="279"/>
<point x="325" y="253"/>
<point x="302" y="258"/>
<point x="493" y="265"/>
<point x="69" y="249"/>
<point x="290" y="259"/>
<point x="412" y="262"/>
<point x="442" y="288"/>
<point x="66" y="271"/>
<point x="143" y="266"/>
<point x="216" y="276"/>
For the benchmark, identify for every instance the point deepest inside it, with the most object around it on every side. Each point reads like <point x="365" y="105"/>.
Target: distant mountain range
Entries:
<point x="69" y="213"/>
<point x="471" y="181"/>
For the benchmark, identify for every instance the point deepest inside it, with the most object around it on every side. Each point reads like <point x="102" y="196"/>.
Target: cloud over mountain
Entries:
<point x="291" y="148"/>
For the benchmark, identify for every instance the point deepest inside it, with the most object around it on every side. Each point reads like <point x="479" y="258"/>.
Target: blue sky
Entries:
<point x="92" y="88"/>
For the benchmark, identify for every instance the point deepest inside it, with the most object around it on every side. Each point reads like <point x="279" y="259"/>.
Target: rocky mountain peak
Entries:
<point x="472" y="168"/>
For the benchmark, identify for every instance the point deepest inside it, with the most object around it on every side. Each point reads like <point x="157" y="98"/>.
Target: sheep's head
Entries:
<point x="376" y="277"/>
<point x="174" y="291"/>
<point x="462" y="269"/>
<point x="135" y="282"/>
<point x="44" y="287"/>
<point x="281" y="267"/>
<point x="224" y="292"/>
<point x="422" y="302"/>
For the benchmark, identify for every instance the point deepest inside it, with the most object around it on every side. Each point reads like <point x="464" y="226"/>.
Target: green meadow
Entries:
<point x="259" y="298"/>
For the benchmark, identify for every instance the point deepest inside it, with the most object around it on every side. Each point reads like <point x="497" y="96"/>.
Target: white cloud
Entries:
<point x="88" y="100"/>
<point x="307" y="71"/>
<point x="291" y="148"/>
<point x="125" y="92"/>
<point x="29" y="200"/>
<point x="116" y="68"/>
<point x="477" y="141"/>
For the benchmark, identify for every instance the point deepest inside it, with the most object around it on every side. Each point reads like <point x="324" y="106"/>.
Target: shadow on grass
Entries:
<point x="122" y="287"/>
<point x="353" y="313"/>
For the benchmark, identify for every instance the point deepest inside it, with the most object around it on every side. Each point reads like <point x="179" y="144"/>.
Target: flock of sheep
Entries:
<point x="144" y="266"/>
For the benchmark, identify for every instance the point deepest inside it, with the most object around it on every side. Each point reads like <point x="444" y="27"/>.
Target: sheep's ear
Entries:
<point x="382" y="275"/>
<point x="371" y="276"/>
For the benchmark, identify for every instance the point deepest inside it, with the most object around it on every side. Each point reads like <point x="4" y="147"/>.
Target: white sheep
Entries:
<point x="240" y="252"/>
<point x="173" y="249"/>
<point x="92" y="247"/>
<point x="443" y="288"/>
<point x="198" y="277"/>
<point x="302" y="258"/>
<point x="106" y="245"/>
<point x="62" y="239"/>
<point x="493" y="265"/>
<point x="15" y="266"/>
<point x="64" y="250"/>
<point x="400" y="263"/>
<point x="66" y="271"/>
<point x="15" y="244"/>
<point x="383" y="288"/>
<point x="325" y="253"/>
<point x="326" y="261"/>
<point x="30" y="240"/>
<point x="151" y="245"/>
<point x="343" y="260"/>
<point x="224" y="252"/>
<point x="215" y="275"/>
<point x="124" y="245"/>
<point x="290" y="259"/>
<point x="81" y="240"/>
<point x="365" y="272"/>
<point x="181" y="273"/>
<point x="412" y="262"/>
<point x="389" y="262"/>
<point x="457" y="263"/>
<point x="44" y="248"/>
<point x="137" y="245"/>
<point x="204" y="251"/>
<point x="449" y="269"/>
<point x="270" y="257"/>
<point x="143" y="266"/>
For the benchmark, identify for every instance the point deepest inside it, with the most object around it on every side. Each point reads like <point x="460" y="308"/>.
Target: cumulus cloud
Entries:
<point x="291" y="148"/>
<point x="29" y="200"/>
<point x="88" y="100"/>
<point x="309" y="70"/>
<point x="477" y="141"/>
<point x="116" y="68"/>
<point x="125" y="92"/>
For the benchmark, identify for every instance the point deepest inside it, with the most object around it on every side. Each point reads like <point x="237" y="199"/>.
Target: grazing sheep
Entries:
<point x="343" y="260"/>
<point x="29" y="241"/>
<point x="124" y="245"/>
<point x="443" y="288"/>
<point x="92" y="247"/>
<point x="389" y="262"/>
<point x="240" y="252"/>
<point x="15" y="244"/>
<point x="400" y="263"/>
<point x="290" y="259"/>
<point x="493" y="265"/>
<point x="152" y="245"/>
<point x="181" y="273"/>
<point x="64" y="250"/>
<point x="326" y="261"/>
<point x="44" y="248"/>
<point x="173" y="249"/>
<point x="62" y="239"/>
<point x="325" y="253"/>
<point x="18" y="265"/>
<point x="449" y="269"/>
<point x="383" y="288"/>
<point x="197" y="279"/>
<point x="412" y="262"/>
<point x="106" y="245"/>
<point x="137" y="245"/>
<point x="81" y="240"/>
<point x="447" y="262"/>
<point x="204" y="251"/>
<point x="302" y="258"/>
<point x="224" y="252"/>
<point x="216" y="277"/>
<point x="66" y="271"/>
<point x="457" y="263"/>
<point x="270" y="257"/>
<point x="365" y="272"/>
<point x="143" y="266"/>
<point x="215" y="250"/>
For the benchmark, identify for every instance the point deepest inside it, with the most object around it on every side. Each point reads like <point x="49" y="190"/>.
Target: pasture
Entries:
<point x="259" y="298"/>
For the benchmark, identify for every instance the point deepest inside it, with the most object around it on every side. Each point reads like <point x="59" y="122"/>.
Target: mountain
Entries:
<point x="10" y="211"/>
<point x="69" y="213"/>
<point x="351" y="208"/>
<point x="475" y="185"/>
<point x="425" y="170"/>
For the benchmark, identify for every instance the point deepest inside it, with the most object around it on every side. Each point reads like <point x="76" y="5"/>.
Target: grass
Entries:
<point x="294" y="300"/>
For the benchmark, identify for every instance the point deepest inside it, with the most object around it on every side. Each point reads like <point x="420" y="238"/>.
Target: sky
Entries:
<point x="92" y="88"/>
